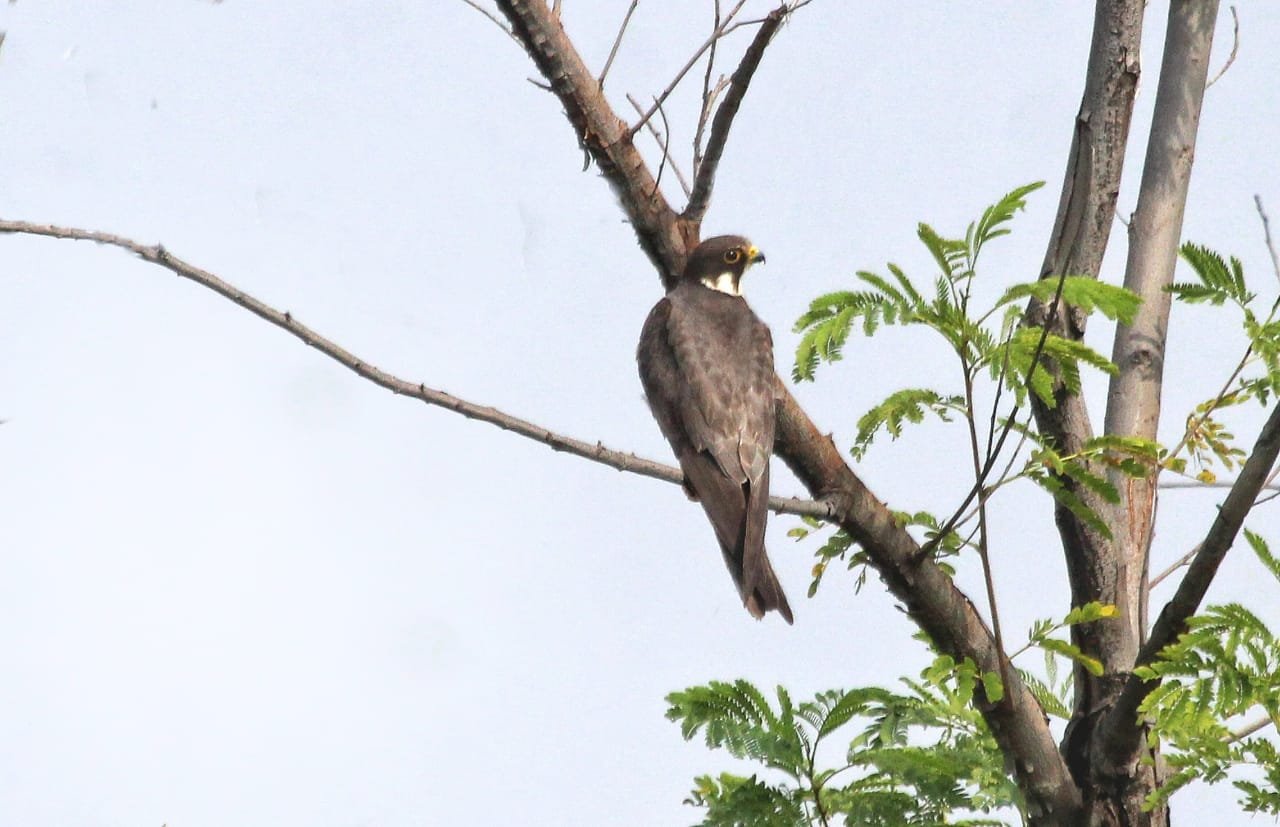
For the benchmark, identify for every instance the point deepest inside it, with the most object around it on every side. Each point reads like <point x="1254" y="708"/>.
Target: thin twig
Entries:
<point x="705" y="111"/>
<point x="976" y="454"/>
<point x="725" y="113"/>
<point x="708" y="103"/>
<point x="1174" y="566"/>
<point x="617" y="41"/>
<point x="666" y="150"/>
<point x="596" y="452"/>
<point x="1266" y="234"/>
<point x="1185" y="484"/>
<point x="664" y="143"/>
<point x="993" y="455"/>
<point x="494" y="18"/>
<point x="720" y="32"/>
<point x="1252" y="727"/>
<point x="1235" y="48"/>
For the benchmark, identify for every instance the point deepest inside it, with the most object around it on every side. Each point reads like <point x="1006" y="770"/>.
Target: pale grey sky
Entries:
<point x="243" y="587"/>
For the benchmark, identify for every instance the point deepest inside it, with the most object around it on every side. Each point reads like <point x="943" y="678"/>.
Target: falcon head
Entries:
<point x="720" y="262"/>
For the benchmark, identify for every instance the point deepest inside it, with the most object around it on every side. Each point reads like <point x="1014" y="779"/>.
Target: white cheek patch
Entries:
<point x="723" y="282"/>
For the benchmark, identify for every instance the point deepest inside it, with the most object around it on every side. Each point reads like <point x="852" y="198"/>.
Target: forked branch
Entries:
<point x="704" y="176"/>
<point x="726" y="26"/>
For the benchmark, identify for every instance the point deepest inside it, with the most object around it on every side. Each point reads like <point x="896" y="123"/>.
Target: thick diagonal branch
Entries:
<point x="933" y="602"/>
<point x="1121" y="734"/>
<point x="705" y="174"/>
<point x="594" y="451"/>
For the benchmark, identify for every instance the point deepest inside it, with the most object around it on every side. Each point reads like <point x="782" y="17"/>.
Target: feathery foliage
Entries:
<point x="911" y="405"/>
<point x="1225" y="667"/>
<point x="865" y="756"/>
<point x="1221" y="282"/>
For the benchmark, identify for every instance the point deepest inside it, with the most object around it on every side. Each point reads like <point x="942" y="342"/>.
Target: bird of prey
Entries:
<point x="706" y="363"/>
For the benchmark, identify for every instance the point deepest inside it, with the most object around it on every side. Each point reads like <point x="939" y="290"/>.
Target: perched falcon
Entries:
<point x="706" y="363"/>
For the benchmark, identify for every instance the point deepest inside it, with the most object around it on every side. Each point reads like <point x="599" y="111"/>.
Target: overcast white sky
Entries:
<point x="243" y="587"/>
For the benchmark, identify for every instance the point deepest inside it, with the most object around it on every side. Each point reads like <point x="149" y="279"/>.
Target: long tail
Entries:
<point x="766" y="592"/>
<point x="761" y="591"/>
<point x="738" y="513"/>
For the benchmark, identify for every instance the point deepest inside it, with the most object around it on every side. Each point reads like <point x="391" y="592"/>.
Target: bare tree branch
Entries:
<point x="704" y="176"/>
<point x="664" y="143"/>
<point x="1133" y="403"/>
<point x="596" y="452"/>
<point x="722" y="30"/>
<point x="1174" y="566"/>
<point x="1079" y="239"/>
<point x="1251" y="727"/>
<point x="939" y="608"/>
<point x="617" y="41"/>
<point x="1077" y="244"/>
<point x="1266" y="234"/>
<point x="1121" y="730"/>
<point x="709" y="98"/>
<point x="704" y="112"/>
<point x="1188" y="484"/>
<point x="492" y="17"/>
<point x="1235" y="48"/>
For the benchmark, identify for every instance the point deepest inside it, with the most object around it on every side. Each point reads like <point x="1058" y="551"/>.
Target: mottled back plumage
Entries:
<point x="706" y="363"/>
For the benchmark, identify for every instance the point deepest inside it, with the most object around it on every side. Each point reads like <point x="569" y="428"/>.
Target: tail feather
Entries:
<point x="767" y="594"/>
<point x="760" y="588"/>
<point x="738" y="513"/>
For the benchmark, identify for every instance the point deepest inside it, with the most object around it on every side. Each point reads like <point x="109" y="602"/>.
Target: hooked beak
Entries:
<point x="754" y="256"/>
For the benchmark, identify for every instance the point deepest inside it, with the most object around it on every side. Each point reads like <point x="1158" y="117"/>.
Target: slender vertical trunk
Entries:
<point x="1133" y="403"/>
<point x="1117" y="780"/>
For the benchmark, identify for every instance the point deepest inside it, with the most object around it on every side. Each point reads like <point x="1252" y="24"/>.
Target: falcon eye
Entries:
<point x="732" y="256"/>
